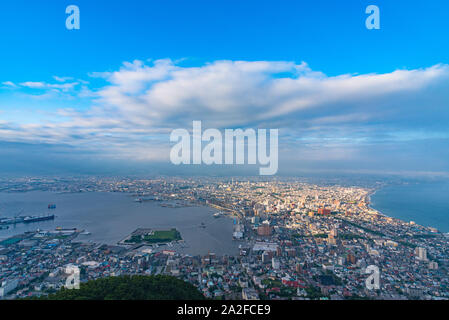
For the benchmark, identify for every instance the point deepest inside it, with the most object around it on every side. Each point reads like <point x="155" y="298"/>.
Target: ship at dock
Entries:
<point x="27" y="219"/>
<point x="32" y="219"/>
<point x="8" y="221"/>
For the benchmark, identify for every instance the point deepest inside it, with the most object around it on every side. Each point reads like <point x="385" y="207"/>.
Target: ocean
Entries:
<point x="426" y="203"/>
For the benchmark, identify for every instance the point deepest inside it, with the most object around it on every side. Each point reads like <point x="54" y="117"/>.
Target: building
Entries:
<point x="334" y="232"/>
<point x="265" y="246"/>
<point x="264" y="230"/>
<point x="259" y="209"/>
<point x="8" y="286"/>
<point x="324" y="211"/>
<point x="267" y="256"/>
<point x="433" y="265"/>
<point x="331" y="239"/>
<point x="291" y="252"/>
<point x="421" y="253"/>
<point x="351" y="259"/>
<point x="249" y="294"/>
<point x="279" y="251"/>
<point x="238" y="235"/>
<point x="414" y="292"/>
<point x="275" y="264"/>
<point x="169" y="252"/>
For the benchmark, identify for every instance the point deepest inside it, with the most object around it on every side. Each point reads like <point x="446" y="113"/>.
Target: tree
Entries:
<point x="131" y="288"/>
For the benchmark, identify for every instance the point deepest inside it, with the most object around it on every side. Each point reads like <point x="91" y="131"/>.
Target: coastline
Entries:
<point x="371" y="206"/>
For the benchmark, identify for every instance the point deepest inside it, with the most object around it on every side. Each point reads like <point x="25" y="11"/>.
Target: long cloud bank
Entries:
<point x="132" y="110"/>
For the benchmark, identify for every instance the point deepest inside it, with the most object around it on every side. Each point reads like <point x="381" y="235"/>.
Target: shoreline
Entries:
<point x="370" y="206"/>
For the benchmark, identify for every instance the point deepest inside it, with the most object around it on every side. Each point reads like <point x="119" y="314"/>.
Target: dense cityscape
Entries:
<point x="297" y="240"/>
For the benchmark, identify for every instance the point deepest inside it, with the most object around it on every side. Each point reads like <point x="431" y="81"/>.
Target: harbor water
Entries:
<point x="110" y="217"/>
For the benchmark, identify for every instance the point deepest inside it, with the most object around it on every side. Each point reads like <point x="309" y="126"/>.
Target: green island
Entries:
<point x="157" y="236"/>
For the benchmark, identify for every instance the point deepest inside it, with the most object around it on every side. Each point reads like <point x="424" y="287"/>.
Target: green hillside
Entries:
<point x="131" y="288"/>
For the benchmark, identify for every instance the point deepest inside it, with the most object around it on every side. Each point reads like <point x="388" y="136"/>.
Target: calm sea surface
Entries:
<point x="110" y="217"/>
<point x="425" y="203"/>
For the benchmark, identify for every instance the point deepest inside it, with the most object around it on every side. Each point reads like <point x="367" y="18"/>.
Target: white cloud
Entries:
<point x="9" y="84"/>
<point x="317" y="114"/>
<point x="230" y="93"/>
<point x="62" y="79"/>
<point x="43" y="85"/>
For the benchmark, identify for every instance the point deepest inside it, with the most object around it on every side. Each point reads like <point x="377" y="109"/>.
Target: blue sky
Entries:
<point x="329" y="35"/>
<point x="358" y="100"/>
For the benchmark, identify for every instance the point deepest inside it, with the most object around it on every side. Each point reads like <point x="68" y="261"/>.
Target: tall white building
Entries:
<point x="8" y="286"/>
<point x="421" y="253"/>
<point x="275" y="264"/>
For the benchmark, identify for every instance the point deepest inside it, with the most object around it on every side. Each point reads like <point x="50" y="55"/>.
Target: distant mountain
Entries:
<point x="131" y="288"/>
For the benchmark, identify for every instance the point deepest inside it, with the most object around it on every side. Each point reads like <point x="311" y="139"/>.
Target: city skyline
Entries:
<point x="238" y="239"/>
